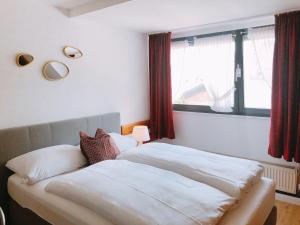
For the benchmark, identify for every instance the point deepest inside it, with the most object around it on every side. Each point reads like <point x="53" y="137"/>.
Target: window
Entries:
<point x="258" y="61"/>
<point x="228" y="72"/>
<point x="203" y="72"/>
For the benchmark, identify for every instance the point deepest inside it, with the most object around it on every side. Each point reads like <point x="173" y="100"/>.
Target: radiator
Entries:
<point x="285" y="177"/>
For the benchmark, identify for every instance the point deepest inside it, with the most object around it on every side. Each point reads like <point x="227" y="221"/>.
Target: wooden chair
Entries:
<point x="2" y="217"/>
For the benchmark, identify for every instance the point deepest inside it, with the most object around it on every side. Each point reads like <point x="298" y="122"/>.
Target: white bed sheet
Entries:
<point x="252" y="210"/>
<point x="231" y="175"/>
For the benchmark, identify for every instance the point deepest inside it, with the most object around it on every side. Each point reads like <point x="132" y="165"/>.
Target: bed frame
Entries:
<point x="17" y="141"/>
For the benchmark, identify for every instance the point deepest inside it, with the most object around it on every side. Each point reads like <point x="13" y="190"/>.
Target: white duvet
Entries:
<point x="231" y="175"/>
<point x="130" y="193"/>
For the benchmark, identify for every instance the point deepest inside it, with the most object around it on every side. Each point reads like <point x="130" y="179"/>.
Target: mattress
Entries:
<point x="253" y="209"/>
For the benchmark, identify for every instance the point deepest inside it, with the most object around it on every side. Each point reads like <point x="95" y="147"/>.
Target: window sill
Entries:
<point x="216" y="115"/>
<point x="206" y="110"/>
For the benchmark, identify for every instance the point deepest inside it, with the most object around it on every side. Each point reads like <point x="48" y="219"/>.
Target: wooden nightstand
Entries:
<point x="127" y="128"/>
<point x="2" y="217"/>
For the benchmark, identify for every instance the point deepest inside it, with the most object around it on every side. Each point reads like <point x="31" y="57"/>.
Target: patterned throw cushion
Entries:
<point x="98" y="148"/>
<point x="100" y="133"/>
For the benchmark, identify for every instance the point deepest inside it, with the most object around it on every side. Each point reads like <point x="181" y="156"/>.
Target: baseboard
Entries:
<point x="287" y="198"/>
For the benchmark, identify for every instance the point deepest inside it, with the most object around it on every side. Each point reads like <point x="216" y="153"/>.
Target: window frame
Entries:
<point x="239" y="106"/>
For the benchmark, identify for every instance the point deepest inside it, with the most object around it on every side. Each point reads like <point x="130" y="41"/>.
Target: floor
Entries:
<point x="288" y="214"/>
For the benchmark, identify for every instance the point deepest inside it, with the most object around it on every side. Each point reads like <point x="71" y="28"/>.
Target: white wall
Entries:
<point x="240" y="136"/>
<point x="111" y="76"/>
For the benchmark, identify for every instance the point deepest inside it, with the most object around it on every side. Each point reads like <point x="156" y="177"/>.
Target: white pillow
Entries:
<point x="47" y="162"/>
<point x="123" y="143"/>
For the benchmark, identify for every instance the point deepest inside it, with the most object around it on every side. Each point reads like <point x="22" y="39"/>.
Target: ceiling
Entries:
<point x="150" y="16"/>
<point x="67" y="4"/>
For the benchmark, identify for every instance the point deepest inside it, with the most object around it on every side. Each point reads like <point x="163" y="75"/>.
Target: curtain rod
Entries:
<point x="224" y="23"/>
<point x="209" y="25"/>
<point x="288" y="12"/>
<point x="228" y="22"/>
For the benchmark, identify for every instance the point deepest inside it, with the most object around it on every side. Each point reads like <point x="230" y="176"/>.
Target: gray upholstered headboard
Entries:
<point x="20" y="140"/>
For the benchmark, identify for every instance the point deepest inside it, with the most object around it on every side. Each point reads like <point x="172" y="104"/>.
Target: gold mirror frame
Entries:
<point x="67" y="55"/>
<point x="54" y="61"/>
<point x="18" y="59"/>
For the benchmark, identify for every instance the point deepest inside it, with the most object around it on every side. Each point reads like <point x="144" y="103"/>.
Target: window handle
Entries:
<point x="238" y="72"/>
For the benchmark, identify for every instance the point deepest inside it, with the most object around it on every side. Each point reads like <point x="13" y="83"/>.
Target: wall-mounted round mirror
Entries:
<point x="23" y="59"/>
<point x="54" y="70"/>
<point x="72" y="52"/>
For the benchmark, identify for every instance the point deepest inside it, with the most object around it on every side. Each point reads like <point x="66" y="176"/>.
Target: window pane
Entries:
<point x="258" y="62"/>
<point x="203" y="73"/>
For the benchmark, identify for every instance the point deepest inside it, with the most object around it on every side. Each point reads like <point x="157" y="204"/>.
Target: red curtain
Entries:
<point x="285" y="112"/>
<point x="161" y="112"/>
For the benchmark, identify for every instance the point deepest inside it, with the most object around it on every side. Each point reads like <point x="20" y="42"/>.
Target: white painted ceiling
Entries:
<point x="150" y="16"/>
<point x="67" y="4"/>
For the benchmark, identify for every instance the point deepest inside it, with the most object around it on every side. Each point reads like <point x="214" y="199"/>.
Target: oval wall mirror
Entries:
<point x="55" y="70"/>
<point x="71" y="52"/>
<point x="24" y="59"/>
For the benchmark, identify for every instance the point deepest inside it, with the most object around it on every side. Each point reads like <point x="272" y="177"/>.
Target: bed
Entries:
<point x="253" y="210"/>
<point x="31" y="205"/>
